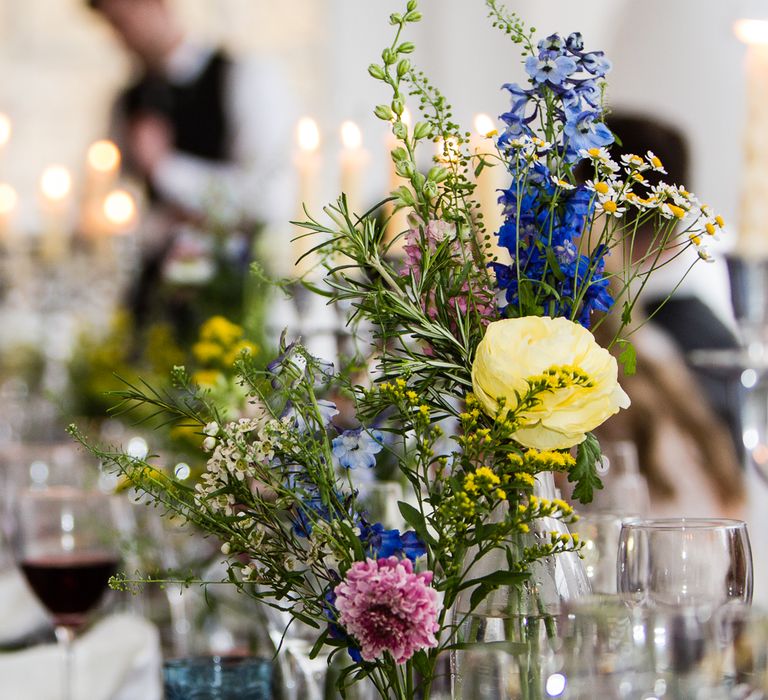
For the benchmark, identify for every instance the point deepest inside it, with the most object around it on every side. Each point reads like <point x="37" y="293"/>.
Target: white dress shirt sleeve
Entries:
<point x="258" y="183"/>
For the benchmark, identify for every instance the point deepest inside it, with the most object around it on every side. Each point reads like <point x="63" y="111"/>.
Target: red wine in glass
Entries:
<point x="69" y="586"/>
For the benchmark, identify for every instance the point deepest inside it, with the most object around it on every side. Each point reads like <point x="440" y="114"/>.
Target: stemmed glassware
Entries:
<point x="699" y="563"/>
<point x="64" y="542"/>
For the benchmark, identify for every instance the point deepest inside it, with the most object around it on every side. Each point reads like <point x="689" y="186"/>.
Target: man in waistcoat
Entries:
<point x="210" y="136"/>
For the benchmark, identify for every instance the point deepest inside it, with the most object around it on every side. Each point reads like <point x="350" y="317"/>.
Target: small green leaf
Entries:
<point x="628" y="357"/>
<point x="584" y="473"/>
<point x="415" y="519"/>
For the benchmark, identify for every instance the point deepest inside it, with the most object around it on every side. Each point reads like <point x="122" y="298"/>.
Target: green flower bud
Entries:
<point x="384" y="112"/>
<point x="398" y="106"/>
<point x="376" y="71"/>
<point x="411" y="5"/>
<point x="399" y="154"/>
<point x="400" y="130"/>
<point x="405" y="196"/>
<point x="437" y="174"/>
<point x="388" y="56"/>
<point x="395" y="18"/>
<point x="430" y="190"/>
<point x="403" y="67"/>
<point x="406" y="47"/>
<point x="405" y="168"/>
<point x="419" y="181"/>
<point x="413" y="17"/>
<point x="422" y="130"/>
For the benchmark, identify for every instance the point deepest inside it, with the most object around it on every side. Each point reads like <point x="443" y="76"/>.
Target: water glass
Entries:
<point x="700" y="563"/>
<point x="218" y="678"/>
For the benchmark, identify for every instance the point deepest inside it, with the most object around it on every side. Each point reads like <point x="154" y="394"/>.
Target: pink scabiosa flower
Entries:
<point x="387" y="607"/>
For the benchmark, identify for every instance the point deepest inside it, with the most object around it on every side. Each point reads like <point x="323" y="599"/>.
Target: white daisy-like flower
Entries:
<point x="611" y="207"/>
<point x="655" y="162"/>
<point x="705" y="255"/>
<point x="601" y="158"/>
<point x="672" y="211"/>
<point x="562" y="184"/>
<point x="541" y="145"/>
<point x="603" y="188"/>
<point x="633" y="162"/>
<point x="711" y="230"/>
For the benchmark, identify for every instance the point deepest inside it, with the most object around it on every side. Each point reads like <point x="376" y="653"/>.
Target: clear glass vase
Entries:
<point x="513" y="633"/>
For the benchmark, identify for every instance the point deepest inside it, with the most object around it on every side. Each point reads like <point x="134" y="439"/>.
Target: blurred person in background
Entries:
<point x="682" y="420"/>
<point x="209" y="135"/>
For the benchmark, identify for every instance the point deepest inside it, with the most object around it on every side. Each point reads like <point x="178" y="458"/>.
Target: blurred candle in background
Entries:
<point x="396" y="221"/>
<point x="8" y="202"/>
<point x="55" y="190"/>
<point x="488" y="182"/>
<point x="752" y="240"/>
<point x="308" y="162"/>
<point x="353" y="161"/>
<point x="102" y="170"/>
<point x="119" y="210"/>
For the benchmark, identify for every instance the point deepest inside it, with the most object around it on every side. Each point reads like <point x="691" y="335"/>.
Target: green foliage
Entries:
<point x="584" y="474"/>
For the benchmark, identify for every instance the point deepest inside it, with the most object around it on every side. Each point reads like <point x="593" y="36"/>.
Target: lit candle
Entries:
<point x="8" y="201"/>
<point x="102" y="169"/>
<point x="489" y="181"/>
<point x="352" y="163"/>
<point x="397" y="221"/>
<point x="55" y="188"/>
<point x="752" y="240"/>
<point x="308" y="164"/>
<point x="119" y="210"/>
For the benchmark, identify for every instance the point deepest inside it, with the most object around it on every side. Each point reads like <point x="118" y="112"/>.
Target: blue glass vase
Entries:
<point x="218" y="678"/>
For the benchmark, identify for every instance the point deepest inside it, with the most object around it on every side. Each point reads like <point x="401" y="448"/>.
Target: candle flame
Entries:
<point x="55" y="182"/>
<point x="448" y="150"/>
<point x="104" y="156"/>
<point x="351" y="136"/>
<point x="751" y="31"/>
<point x="119" y="208"/>
<point x="5" y="129"/>
<point x="8" y="199"/>
<point x="308" y="134"/>
<point x="483" y="124"/>
<point x="405" y="117"/>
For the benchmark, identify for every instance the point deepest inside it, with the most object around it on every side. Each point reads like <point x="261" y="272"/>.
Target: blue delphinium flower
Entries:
<point x="584" y="130"/>
<point x="550" y="68"/>
<point x="357" y="448"/>
<point x="380" y="543"/>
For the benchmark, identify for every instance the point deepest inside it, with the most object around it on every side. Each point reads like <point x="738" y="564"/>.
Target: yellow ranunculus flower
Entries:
<point x="517" y="348"/>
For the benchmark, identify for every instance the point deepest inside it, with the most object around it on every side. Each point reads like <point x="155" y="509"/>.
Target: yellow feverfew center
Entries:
<point x="610" y="206"/>
<point x="709" y="228"/>
<point x="676" y="211"/>
<point x="639" y="177"/>
<point x="637" y="160"/>
<point x="594" y="152"/>
<point x="656" y="162"/>
<point x="695" y="238"/>
<point x="602" y="187"/>
<point x="719" y="221"/>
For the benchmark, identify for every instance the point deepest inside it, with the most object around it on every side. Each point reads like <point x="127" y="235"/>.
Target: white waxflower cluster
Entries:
<point x="234" y="449"/>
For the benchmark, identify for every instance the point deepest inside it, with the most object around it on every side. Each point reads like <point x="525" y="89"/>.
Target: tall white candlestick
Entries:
<point x="396" y="220"/>
<point x="752" y="240"/>
<point x="102" y="171"/>
<point x="488" y="183"/>
<point x="308" y="163"/>
<point x="353" y="160"/>
<point x="55" y="190"/>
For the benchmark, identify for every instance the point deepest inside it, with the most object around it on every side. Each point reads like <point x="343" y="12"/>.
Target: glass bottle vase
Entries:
<point x="510" y="644"/>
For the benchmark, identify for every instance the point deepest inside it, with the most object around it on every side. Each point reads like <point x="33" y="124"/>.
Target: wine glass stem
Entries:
<point x="65" y="636"/>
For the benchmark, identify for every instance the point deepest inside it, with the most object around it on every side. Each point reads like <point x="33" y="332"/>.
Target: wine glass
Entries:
<point x="65" y="545"/>
<point x="700" y="563"/>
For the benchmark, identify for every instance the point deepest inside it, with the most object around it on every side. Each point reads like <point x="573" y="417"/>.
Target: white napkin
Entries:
<point x="118" y="659"/>
<point x="20" y="613"/>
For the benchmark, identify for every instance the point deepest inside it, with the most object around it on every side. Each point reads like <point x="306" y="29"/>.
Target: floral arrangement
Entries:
<point x="497" y="354"/>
